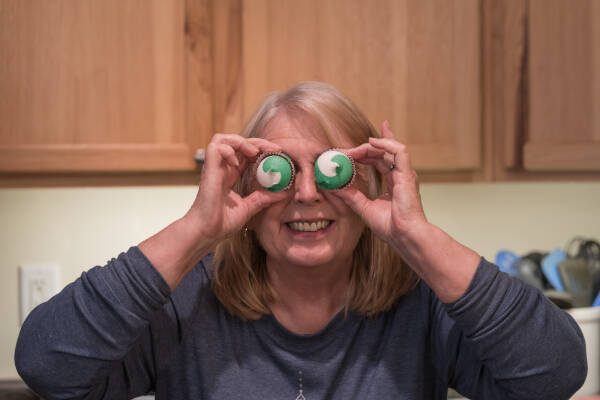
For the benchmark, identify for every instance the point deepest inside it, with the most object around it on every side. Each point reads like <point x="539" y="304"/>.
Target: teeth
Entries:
<point x="309" y="226"/>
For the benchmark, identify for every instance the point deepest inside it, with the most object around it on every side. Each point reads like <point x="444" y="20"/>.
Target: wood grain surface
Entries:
<point x="564" y="125"/>
<point x="416" y="64"/>
<point x="90" y="77"/>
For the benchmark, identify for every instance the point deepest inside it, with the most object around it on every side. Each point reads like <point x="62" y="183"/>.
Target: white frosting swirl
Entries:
<point x="325" y="163"/>
<point x="269" y="178"/>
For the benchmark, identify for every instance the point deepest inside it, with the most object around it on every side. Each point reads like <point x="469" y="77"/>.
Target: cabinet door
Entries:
<point x="416" y="64"/>
<point x="564" y="101"/>
<point x="101" y="86"/>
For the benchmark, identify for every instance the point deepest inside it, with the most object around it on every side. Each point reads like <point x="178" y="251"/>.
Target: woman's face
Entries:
<point x="311" y="227"/>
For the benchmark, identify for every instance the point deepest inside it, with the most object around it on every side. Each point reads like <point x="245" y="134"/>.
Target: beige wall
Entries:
<point x="80" y="228"/>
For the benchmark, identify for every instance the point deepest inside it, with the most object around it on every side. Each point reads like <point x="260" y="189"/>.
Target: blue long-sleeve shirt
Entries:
<point x="118" y="332"/>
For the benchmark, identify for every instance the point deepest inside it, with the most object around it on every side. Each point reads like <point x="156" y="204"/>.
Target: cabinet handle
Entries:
<point x="200" y="156"/>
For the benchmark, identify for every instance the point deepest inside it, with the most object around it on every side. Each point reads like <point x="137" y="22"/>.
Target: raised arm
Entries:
<point x="398" y="218"/>
<point x="93" y="339"/>
<point x="217" y="211"/>
<point x="515" y="338"/>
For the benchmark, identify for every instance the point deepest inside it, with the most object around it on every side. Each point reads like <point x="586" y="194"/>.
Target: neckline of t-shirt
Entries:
<point x="322" y="336"/>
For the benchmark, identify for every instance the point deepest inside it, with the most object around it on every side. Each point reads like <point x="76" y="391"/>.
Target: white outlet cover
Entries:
<point x="37" y="283"/>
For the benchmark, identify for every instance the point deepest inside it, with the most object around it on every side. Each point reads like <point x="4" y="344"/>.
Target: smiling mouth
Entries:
<point x="305" y="226"/>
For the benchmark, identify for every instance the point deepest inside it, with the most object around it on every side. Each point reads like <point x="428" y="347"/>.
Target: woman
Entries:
<point x="311" y="294"/>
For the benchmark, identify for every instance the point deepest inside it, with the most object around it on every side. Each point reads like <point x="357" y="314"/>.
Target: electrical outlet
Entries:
<point x="38" y="283"/>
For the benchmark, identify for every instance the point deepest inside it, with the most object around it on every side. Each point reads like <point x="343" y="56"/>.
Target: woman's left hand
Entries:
<point x="395" y="213"/>
<point x="398" y="218"/>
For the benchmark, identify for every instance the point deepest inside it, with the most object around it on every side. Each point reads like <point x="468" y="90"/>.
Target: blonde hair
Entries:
<point x="378" y="277"/>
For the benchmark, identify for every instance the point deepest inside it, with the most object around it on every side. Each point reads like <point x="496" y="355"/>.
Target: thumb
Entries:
<point x="260" y="199"/>
<point x="355" y="199"/>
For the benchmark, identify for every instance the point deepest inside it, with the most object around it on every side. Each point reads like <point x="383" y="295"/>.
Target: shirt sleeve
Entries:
<point x="504" y="340"/>
<point x="93" y="339"/>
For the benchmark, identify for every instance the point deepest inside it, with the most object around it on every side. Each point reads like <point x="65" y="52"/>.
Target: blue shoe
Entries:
<point x="550" y="268"/>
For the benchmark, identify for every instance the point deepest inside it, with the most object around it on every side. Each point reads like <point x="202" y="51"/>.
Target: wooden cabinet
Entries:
<point x="486" y="91"/>
<point x="564" y="71"/>
<point x="103" y="86"/>
<point x="112" y="86"/>
<point x="541" y="63"/>
<point x="416" y="64"/>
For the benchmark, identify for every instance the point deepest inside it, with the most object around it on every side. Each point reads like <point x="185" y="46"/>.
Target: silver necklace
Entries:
<point x="300" y="390"/>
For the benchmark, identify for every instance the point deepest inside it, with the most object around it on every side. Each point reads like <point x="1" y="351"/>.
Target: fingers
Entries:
<point x="229" y="154"/>
<point x="250" y="147"/>
<point x="386" y="131"/>
<point x="397" y="151"/>
<point x="388" y="156"/>
<point x="365" y="151"/>
<point x="264" y="145"/>
<point x="236" y="150"/>
<point x="370" y="155"/>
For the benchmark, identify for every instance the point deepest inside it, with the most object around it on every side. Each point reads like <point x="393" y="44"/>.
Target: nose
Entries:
<point x="305" y="187"/>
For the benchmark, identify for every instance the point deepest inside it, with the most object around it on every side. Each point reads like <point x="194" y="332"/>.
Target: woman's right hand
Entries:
<point x="218" y="210"/>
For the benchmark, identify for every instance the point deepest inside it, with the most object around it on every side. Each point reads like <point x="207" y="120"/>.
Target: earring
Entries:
<point x="275" y="171"/>
<point x="334" y="170"/>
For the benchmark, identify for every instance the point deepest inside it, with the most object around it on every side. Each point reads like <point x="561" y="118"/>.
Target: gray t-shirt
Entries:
<point x="117" y="332"/>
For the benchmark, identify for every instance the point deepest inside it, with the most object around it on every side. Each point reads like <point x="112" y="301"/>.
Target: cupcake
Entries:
<point x="275" y="171"/>
<point x="334" y="170"/>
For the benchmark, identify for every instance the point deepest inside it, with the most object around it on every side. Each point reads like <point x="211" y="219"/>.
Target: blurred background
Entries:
<point x="104" y="104"/>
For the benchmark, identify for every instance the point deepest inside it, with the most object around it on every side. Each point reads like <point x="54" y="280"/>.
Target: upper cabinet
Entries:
<point x="478" y="90"/>
<point x="416" y="64"/>
<point x="541" y="93"/>
<point x="564" y="72"/>
<point x="102" y="86"/>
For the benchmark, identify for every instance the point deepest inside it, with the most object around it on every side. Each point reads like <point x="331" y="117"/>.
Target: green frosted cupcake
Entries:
<point x="334" y="170"/>
<point x="275" y="171"/>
